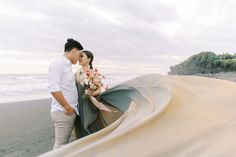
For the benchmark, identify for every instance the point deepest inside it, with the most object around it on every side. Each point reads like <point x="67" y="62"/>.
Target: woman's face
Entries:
<point x="84" y="60"/>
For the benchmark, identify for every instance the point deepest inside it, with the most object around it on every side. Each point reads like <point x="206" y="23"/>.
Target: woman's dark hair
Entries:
<point x="71" y="43"/>
<point x="89" y="55"/>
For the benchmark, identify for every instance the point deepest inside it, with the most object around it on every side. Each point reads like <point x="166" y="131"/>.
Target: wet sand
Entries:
<point x="25" y="128"/>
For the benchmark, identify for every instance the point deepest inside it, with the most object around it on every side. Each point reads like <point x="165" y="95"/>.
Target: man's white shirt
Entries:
<point x="61" y="78"/>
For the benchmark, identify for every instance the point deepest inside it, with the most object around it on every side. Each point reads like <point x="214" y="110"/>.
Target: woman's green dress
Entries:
<point x="91" y="119"/>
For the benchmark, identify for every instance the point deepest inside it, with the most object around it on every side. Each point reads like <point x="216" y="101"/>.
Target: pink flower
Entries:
<point x="91" y="79"/>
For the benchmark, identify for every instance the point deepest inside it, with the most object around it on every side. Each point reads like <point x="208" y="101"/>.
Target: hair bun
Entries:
<point x="71" y="43"/>
<point x="70" y="40"/>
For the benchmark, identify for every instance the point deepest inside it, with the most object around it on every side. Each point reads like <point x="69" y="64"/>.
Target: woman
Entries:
<point x="91" y="119"/>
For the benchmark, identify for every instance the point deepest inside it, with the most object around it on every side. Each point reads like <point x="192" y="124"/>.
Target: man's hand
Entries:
<point x="61" y="100"/>
<point x="69" y="110"/>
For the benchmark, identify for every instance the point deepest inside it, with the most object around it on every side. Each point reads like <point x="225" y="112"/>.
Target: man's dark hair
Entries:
<point x="71" y="43"/>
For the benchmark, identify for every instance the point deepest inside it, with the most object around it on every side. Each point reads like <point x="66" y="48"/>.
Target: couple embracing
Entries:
<point x="75" y="110"/>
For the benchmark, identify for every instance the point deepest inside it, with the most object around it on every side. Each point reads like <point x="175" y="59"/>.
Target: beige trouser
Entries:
<point x="63" y="126"/>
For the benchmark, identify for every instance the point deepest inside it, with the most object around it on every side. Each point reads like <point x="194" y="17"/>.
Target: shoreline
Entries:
<point x="230" y="76"/>
<point x="24" y="99"/>
<point x="20" y="96"/>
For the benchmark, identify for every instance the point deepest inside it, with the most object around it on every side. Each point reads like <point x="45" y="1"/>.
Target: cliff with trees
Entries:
<point x="205" y="62"/>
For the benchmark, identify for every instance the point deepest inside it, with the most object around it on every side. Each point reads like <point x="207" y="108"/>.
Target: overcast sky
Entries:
<point x="124" y="35"/>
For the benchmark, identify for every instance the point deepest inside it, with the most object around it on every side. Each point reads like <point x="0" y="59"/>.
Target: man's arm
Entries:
<point x="62" y="101"/>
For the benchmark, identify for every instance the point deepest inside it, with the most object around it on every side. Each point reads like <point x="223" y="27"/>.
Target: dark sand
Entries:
<point x="25" y="128"/>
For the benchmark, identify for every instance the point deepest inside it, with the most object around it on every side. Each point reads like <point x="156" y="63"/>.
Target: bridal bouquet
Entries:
<point x="91" y="80"/>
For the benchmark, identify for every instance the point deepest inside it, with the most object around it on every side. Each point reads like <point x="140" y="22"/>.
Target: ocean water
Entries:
<point x="35" y="86"/>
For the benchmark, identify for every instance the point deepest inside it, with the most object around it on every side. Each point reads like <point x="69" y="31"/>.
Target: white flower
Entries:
<point x="86" y="81"/>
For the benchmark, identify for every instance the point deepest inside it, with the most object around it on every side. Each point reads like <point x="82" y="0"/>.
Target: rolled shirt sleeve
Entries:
<point x="54" y="77"/>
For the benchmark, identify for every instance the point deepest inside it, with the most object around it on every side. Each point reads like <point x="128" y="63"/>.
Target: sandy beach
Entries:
<point x="26" y="128"/>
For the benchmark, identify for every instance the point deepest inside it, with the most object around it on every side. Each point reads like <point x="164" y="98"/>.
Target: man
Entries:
<point x="63" y="89"/>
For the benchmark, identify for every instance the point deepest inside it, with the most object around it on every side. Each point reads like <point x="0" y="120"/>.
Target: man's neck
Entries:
<point x="68" y="57"/>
